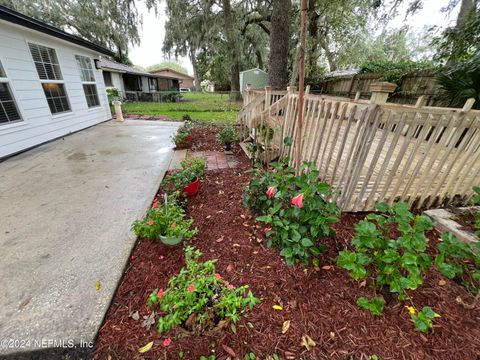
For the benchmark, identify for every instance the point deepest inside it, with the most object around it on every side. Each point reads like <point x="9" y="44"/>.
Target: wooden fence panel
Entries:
<point x="372" y="153"/>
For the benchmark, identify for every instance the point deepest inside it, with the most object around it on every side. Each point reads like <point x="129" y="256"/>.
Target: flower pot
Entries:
<point x="191" y="189"/>
<point x="171" y="240"/>
<point x="228" y="146"/>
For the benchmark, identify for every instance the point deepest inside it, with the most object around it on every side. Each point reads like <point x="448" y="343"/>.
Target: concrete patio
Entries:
<point x="66" y="209"/>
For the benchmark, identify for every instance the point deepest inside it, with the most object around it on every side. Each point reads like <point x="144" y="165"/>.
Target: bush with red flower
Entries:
<point x="296" y="209"/>
<point x="198" y="297"/>
<point x="164" y="219"/>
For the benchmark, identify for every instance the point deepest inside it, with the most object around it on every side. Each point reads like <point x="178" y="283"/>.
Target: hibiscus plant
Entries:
<point x="391" y="246"/>
<point x="295" y="208"/>
<point x="164" y="219"/>
<point x="198" y="297"/>
<point x="459" y="260"/>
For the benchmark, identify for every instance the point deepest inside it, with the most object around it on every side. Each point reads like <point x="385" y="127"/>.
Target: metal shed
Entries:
<point x="257" y="78"/>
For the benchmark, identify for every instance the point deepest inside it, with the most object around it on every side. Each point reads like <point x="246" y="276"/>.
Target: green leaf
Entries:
<point x="363" y="303"/>
<point x="383" y="207"/>
<point x="409" y="259"/>
<point x="287" y="141"/>
<point x="374" y="305"/>
<point x="265" y="219"/>
<point x="307" y="242"/>
<point x="346" y="259"/>
<point x="447" y="270"/>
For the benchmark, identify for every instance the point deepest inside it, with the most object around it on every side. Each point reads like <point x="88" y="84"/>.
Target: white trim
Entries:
<point x="6" y="80"/>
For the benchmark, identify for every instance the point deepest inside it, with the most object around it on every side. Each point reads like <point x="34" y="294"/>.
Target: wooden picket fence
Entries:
<point x="370" y="153"/>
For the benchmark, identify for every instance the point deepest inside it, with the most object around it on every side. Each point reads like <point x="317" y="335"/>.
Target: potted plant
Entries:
<point x="165" y="222"/>
<point x="187" y="179"/>
<point x="227" y="136"/>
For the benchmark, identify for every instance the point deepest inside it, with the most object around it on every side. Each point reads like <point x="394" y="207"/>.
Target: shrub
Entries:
<point x="295" y="207"/>
<point x="199" y="296"/>
<point x="396" y="263"/>
<point x="227" y="135"/>
<point x="461" y="83"/>
<point x="191" y="168"/>
<point x="394" y="71"/>
<point x="181" y="138"/>
<point x="459" y="260"/>
<point x="112" y="94"/>
<point x="166" y="219"/>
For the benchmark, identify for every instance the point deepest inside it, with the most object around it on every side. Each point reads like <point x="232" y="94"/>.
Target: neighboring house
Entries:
<point x="134" y="84"/>
<point x="49" y="83"/>
<point x="256" y="78"/>
<point x="186" y="81"/>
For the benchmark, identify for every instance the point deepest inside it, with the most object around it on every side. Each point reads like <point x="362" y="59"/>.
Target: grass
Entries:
<point x="203" y="107"/>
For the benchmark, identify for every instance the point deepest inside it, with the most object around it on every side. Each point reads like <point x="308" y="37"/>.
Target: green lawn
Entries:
<point x="203" y="107"/>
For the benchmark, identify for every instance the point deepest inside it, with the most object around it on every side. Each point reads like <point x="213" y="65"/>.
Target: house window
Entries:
<point x="46" y="62"/>
<point x="91" y="95"/>
<point x="153" y="85"/>
<point x="107" y="78"/>
<point x="8" y="109"/>
<point x="56" y="97"/>
<point x="88" y="80"/>
<point x="48" y="69"/>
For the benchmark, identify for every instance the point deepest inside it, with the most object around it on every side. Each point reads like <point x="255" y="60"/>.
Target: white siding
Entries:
<point x="38" y="124"/>
<point x="145" y="87"/>
<point x="117" y="81"/>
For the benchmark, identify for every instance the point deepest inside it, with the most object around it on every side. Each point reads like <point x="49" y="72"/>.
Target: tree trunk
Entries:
<point x="294" y="77"/>
<point x="332" y="63"/>
<point x="234" y="52"/>
<point x="466" y="7"/>
<point x="196" y="78"/>
<point x="279" y="38"/>
<point x="312" y="51"/>
<point x="258" y="54"/>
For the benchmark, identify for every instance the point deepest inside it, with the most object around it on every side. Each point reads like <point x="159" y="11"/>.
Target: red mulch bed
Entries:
<point x="320" y="303"/>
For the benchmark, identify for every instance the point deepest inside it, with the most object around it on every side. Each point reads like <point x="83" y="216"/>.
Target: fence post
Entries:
<point x="468" y="105"/>
<point x="268" y="96"/>
<point x="291" y="89"/>
<point x="357" y="95"/>
<point x="421" y="101"/>
<point x="247" y="95"/>
<point x="380" y="91"/>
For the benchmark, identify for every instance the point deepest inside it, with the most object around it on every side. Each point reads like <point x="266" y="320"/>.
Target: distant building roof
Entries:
<point x="182" y="74"/>
<point x="347" y="72"/>
<point x="15" y="17"/>
<point x="122" y="68"/>
<point x="254" y="69"/>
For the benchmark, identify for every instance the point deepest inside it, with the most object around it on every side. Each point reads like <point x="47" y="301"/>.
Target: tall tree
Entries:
<point x="462" y="41"/>
<point x="279" y="44"/>
<point x="189" y="26"/>
<point x="231" y="36"/>
<point x="115" y="24"/>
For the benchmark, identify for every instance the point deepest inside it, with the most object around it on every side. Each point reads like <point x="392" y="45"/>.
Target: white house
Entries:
<point x="50" y="85"/>
<point x="134" y="84"/>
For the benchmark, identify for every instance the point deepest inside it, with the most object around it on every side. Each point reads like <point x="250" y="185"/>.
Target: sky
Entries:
<point x="152" y="33"/>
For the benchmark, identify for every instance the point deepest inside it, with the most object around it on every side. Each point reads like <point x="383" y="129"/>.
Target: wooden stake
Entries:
<point x="301" y="85"/>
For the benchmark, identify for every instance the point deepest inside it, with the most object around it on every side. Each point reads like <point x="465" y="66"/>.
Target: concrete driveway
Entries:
<point x="66" y="209"/>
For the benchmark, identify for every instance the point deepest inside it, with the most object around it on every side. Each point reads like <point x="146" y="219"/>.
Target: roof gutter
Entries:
<point x="15" y="17"/>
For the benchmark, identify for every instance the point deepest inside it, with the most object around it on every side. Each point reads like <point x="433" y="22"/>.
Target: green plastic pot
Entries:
<point x="171" y="240"/>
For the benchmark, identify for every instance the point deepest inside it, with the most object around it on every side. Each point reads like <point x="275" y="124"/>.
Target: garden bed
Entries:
<point x="318" y="302"/>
